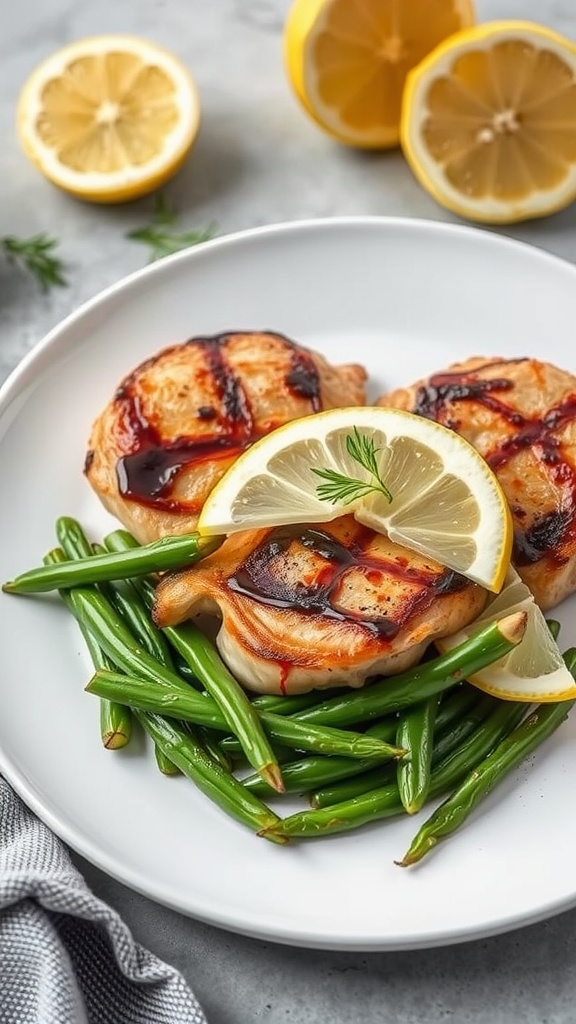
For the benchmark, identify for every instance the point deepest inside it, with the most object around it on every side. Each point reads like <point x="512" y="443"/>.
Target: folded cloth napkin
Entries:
<point x="65" y="956"/>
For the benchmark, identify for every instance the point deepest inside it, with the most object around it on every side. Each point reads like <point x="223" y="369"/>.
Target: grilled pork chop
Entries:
<point x="307" y="607"/>
<point x="521" y="416"/>
<point x="180" y="419"/>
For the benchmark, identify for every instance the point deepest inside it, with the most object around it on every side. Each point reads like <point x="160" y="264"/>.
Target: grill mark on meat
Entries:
<point x="550" y="531"/>
<point x="432" y="398"/>
<point x="303" y="379"/>
<point x="256" y="580"/>
<point x="149" y="469"/>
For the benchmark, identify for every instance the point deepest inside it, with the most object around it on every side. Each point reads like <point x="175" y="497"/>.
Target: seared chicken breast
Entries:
<point x="307" y="607"/>
<point x="521" y="416"/>
<point x="180" y="419"/>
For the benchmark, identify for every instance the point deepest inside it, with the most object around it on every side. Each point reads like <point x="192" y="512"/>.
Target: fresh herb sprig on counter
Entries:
<point x="37" y="255"/>
<point x="341" y="488"/>
<point x="159" y="237"/>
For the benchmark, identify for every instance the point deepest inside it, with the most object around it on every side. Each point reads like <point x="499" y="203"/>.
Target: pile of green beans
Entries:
<point x="354" y="756"/>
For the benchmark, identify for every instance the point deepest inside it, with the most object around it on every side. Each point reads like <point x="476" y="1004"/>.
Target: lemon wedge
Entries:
<point x="488" y="122"/>
<point x="109" y="118"/>
<point x="416" y="481"/>
<point x="347" y="60"/>
<point x="534" y="671"/>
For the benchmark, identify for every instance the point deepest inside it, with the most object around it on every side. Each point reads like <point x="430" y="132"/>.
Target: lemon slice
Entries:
<point x="347" y="60"/>
<point x="445" y="502"/>
<point x="109" y="118"/>
<point x="488" y="122"/>
<point x="534" y="671"/>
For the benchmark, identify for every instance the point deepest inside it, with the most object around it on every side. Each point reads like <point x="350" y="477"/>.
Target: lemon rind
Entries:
<point x="491" y="563"/>
<point x="304" y="19"/>
<point x="426" y="169"/>
<point x="131" y="181"/>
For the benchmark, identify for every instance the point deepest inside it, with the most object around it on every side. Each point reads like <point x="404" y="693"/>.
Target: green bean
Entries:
<point x="331" y="774"/>
<point x="432" y="677"/>
<point x="315" y="770"/>
<point x="115" y="719"/>
<point x="449" y="739"/>
<point x="134" y="611"/>
<point x="289" y="704"/>
<point x="206" y="664"/>
<point x="129" y="602"/>
<point x="183" y="750"/>
<point x="376" y="805"/>
<point x="206" y="668"/>
<point x="143" y="587"/>
<point x="121" y="540"/>
<point x="72" y="539"/>
<point x="384" y="802"/>
<point x="384" y="728"/>
<point x="126" y="598"/>
<point x="505" y="716"/>
<point x="159" y="556"/>
<point x="77" y="546"/>
<point x="212" y="746"/>
<point x="98" y="616"/>
<point x="350" y="786"/>
<point x="99" y="619"/>
<point x="334" y="742"/>
<point x="231" y="749"/>
<point x="455" y="704"/>
<point x="416" y="734"/>
<point x="164" y="764"/>
<point x="183" y="703"/>
<point x="488" y="773"/>
<point x="458" y="731"/>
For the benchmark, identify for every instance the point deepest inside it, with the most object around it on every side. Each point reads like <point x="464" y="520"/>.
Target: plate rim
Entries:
<point x="193" y="253"/>
<point x="54" y="344"/>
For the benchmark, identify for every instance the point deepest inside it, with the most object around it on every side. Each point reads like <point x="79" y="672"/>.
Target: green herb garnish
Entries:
<point x="345" y="489"/>
<point x="36" y="255"/>
<point x="160" y="239"/>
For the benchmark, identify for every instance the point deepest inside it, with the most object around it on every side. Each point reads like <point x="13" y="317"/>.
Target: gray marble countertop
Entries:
<point x="259" y="160"/>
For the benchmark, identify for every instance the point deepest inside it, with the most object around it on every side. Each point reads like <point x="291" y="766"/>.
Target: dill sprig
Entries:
<point x="159" y="237"/>
<point x="37" y="256"/>
<point x="339" y="488"/>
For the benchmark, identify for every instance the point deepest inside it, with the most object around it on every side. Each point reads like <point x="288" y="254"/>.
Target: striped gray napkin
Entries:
<point x="65" y="956"/>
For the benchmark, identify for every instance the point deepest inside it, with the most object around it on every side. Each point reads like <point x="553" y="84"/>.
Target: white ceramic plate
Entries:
<point x="405" y="298"/>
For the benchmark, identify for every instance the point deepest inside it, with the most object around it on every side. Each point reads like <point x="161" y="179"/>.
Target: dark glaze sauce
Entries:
<point x="552" y="529"/>
<point x="256" y="579"/>
<point x="147" y="474"/>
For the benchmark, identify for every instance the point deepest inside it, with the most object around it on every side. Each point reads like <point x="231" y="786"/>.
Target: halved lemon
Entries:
<point x="109" y="118"/>
<point x="416" y="481"/>
<point x="489" y="122"/>
<point x="347" y="60"/>
<point x="534" y="671"/>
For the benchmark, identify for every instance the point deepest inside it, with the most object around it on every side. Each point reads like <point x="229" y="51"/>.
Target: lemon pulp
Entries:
<point x="109" y="118"/>
<point x="488" y="122"/>
<point x="445" y="503"/>
<point x="347" y="60"/>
